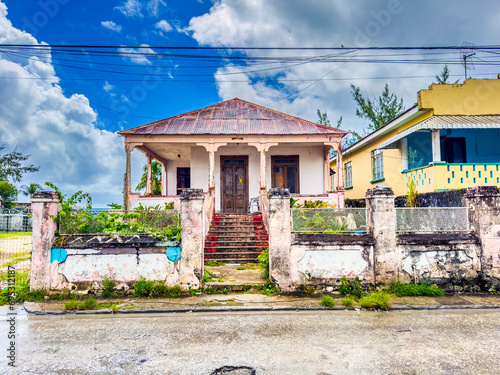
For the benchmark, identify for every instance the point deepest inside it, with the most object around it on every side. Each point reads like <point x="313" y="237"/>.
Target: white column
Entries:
<point x="149" y="179"/>
<point x="126" y="180"/>
<point x="327" y="180"/>
<point x="164" y="180"/>
<point x="436" y="146"/>
<point x="263" y="174"/>
<point x="404" y="154"/>
<point x="211" y="169"/>
<point x="340" y="168"/>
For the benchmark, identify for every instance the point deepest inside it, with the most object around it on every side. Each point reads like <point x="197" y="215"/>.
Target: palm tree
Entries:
<point x="31" y="189"/>
<point x="155" y="176"/>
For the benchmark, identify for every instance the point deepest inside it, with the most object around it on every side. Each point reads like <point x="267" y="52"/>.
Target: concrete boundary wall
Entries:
<point x="457" y="261"/>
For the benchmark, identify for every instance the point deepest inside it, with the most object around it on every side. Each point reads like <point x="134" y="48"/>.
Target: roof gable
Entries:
<point x="233" y="117"/>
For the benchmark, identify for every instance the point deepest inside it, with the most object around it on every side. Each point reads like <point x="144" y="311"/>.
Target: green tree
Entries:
<point x="442" y="78"/>
<point x="324" y="120"/>
<point x="379" y="111"/>
<point x="11" y="165"/>
<point x="8" y="194"/>
<point x="155" y="176"/>
<point x="30" y="190"/>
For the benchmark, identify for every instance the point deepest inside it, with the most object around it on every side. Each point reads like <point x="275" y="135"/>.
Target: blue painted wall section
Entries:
<point x="174" y="253"/>
<point x="58" y="254"/>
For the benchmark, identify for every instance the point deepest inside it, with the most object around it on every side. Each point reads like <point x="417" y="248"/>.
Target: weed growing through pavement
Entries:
<point x="327" y="301"/>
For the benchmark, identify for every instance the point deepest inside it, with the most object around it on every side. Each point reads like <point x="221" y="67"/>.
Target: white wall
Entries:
<point x="199" y="168"/>
<point x="311" y="164"/>
<point x="172" y="166"/>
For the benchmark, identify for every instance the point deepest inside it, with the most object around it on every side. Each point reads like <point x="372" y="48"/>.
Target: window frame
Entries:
<point x="296" y="165"/>
<point x="377" y="165"/>
<point x="348" y="174"/>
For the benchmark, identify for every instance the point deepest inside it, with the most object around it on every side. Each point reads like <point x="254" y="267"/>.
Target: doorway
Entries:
<point x="234" y="183"/>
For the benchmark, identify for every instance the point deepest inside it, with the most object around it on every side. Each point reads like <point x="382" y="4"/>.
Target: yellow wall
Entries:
<point x="474" y="97"/>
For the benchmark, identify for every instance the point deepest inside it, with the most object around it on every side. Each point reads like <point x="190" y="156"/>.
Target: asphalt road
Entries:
<point x="323" y="342"/>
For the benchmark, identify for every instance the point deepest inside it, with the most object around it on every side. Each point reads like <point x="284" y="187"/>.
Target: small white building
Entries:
<point x="234" y="151"/>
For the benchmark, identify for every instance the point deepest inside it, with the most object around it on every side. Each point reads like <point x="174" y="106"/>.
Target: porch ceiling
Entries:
<point x="445" y="122"/>
<point x="171" y="151"/>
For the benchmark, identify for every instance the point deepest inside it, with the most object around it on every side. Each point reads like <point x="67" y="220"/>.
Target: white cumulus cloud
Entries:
<point x="137" y="56"/>
<point x="134" y="8"/>
<point x="163" y="26"/>
<point x="110" y="25"/>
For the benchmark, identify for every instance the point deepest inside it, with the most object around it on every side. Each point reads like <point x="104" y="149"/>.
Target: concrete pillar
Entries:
<point x="381" y="223"/>
<point x="280" y="236"/>
<point x="192" y="240"/>
<point x="263" y="172"/>
<point x="164" y="180"/>
<point x="436" y="145"/>
<point x="484" y="216"/>
<point x="126" y="180"/>
<point x="340" y="168"/>
<point x="149" y="177"/>
<point x="211" y="170"/>
<point x="326" y="170"/>
<point x="43" y="205"/>
<point x="404" y="154"/>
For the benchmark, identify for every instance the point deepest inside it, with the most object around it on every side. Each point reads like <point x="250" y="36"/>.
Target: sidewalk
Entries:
<point x="259" y="302"/>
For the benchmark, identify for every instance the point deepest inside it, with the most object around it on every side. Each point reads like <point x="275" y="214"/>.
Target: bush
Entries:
<point x="214" y="263"/>
<point x="109" y="287"/>
<point x="403" y="290"/>
<point x="71" y="305"/>
<point x="143" y="288"/>
<point x="351" y="287"/>
<point x="327" y="301"/>
<point x="207" y="277"/>
<point x="347" y="302"/>
<point x="89" y="304"/>
<point x="376" y="300"/>
<point x="263" y="260"/>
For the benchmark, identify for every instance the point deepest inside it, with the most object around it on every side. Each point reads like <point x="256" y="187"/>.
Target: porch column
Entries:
<point x="263" y="171"/>
<point x="163" y="180"/>
<point x="436" y="146"/>
<point x="149" y="179"/>
<point x="340" y="168"/>
<point x="211" y="169"/>
<point x="326" y="170"/>
<point x="126" y="180"/>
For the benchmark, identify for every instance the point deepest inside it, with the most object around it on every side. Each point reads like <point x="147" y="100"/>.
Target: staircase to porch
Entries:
<point x="236" y="238"/>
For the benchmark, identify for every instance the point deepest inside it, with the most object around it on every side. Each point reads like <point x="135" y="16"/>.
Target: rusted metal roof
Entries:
<point x="233" y="117"/>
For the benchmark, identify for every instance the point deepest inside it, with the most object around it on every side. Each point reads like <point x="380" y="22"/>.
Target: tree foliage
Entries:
<point x="31" y="189"/>
<point x="8" y="194"/>
<point x="379" y="111"/>
<point x="155" y="176"/>
<point x="324" y="120"/>
<point x="11" y="165"/>
<point x="442" y="78"/>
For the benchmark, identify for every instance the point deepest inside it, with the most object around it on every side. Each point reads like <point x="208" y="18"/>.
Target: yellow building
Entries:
<point x="450" y="139"/>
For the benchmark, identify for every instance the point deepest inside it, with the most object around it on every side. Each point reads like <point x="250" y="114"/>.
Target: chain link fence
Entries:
<point x="328" y="220"/>
<point x="16" y="243"/>
<point x="432" y="219"/>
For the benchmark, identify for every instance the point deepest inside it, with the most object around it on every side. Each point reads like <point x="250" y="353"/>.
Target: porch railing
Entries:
<point x="328" y="220"/>
<point x="432" y="219"/>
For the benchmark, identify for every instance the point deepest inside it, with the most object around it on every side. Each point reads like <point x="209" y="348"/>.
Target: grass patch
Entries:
<point x="207" y="277"/>
<point x="71" y="305"/>
<point x="89" y="304"/>
<point x="130" y="307"/>
<point x="376" y="300"/>
<point x="241" y="268"/>
<point x="327" y="301"/>
<point x="13" y="235"/>
<point x="109" y="287"/>
<point x="145" y="288"/>
<point x="263" y="260"/>
<point x="21" y="291"/>
<point x="413" y="290"/>
<point x="347" y="302"/>
<point x="351" y="287"/>
<point x="214" y="263"/>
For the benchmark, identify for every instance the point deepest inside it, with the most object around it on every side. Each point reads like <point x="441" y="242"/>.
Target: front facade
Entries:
<point x="234" y="151"/>
<point x="448" y="140"/>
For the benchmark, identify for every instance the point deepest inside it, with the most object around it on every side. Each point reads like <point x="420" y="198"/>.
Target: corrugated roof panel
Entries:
<point x="234" y="116"/>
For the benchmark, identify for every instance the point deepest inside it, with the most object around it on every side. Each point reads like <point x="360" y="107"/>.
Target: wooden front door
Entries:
<point x="234" y="183"/>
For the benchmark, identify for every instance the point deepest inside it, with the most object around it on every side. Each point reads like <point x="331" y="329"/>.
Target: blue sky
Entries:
<point x="65" y="123"/>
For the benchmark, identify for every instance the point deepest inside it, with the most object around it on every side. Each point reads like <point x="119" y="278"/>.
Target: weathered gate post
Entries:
<point x="44" y="204"/>
<point x="280" y="237"/>
<point x="381" y="222"/>
<point x="192" y="238"/>
<point x="484" y="215"/>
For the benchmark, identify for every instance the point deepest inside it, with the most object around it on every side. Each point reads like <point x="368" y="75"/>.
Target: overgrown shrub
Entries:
<point x="213" y="263"/>
<point x="71" y="305"/>
<point x="403" y="290"/>
<point x="109" y="287"/>
<point x="89" y="304"/>
<point x="376" y="300"/>
<point x="144" y="288"/>
<point x="263" y="260"/>
<point x="327" y="301"/>
<point x="351" y="287"/>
